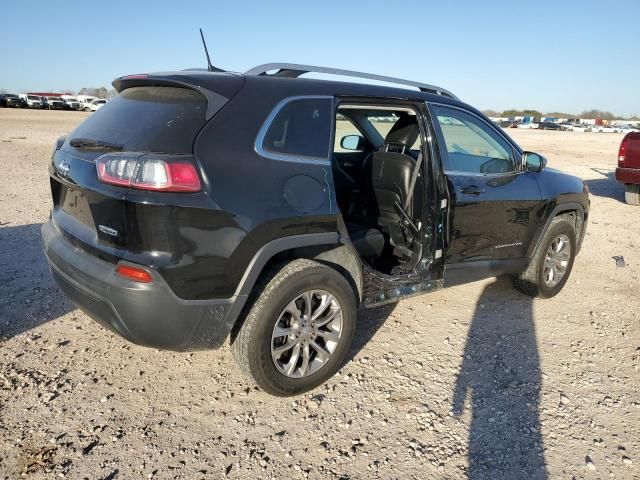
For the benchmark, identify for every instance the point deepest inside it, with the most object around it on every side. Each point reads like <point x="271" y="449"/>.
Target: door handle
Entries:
<point x="471" y="190"/>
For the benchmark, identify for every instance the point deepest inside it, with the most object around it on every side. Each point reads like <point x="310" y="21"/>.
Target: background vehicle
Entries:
<point x="578" y="127"/>
<point x="86" y="101"/>
<point x="12" y="100"/>
<point x="45" y="103"/>
<point x="33" y="101"/>
<point x="550" y="126"/>
<point x="622" y="128"/>
<point x="96" y="104"/>
<point x="603" y="129"/>
<point x="181" y="248"/>
<point x="528" y="125"/>
<point x="56" y="103"/>
<point x="628" y="171"/>
<point x="71" y="103"/>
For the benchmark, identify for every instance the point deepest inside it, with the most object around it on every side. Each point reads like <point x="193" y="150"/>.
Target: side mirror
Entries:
<point x="533" y="162"/>
<point x="352" y="142"/>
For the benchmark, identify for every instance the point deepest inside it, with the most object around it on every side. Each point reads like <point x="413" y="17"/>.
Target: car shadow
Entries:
<point x="29" y="295"/>
<point x="606" y="186"/>
<point x="499" y="382"/>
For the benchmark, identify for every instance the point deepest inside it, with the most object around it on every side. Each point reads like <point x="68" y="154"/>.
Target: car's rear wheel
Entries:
<point x="632" y="195"/>
<point x="299" y="329"/>
<point x="551" y="265"/>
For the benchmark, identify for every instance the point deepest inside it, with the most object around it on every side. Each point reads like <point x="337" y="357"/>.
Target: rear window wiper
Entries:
<point x="86" y="143"/>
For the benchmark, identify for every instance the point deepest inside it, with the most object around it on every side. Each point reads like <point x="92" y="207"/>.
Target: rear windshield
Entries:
<point x="148" y="119"/>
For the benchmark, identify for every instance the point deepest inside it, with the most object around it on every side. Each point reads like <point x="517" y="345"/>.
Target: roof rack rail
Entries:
<point x="293" y="70"/>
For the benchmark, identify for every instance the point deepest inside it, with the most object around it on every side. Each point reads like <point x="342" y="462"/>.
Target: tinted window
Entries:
<point x="301" y="128"/>
<point x="148" y="119"/>
<point x="472" y="145"/>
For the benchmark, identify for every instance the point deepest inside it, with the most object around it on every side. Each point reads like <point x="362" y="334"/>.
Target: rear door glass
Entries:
<point x="148" y="119"/>
<point x="302" y="128"/>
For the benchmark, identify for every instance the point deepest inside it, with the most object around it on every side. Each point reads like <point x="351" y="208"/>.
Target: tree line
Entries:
<point x="100" y="92"/>
<point x="593" y="113"/>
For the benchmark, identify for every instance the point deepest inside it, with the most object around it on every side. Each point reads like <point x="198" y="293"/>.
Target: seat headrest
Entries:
<point x="404" y="132"/>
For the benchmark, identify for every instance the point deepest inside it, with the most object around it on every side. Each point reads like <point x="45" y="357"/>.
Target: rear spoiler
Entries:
<point x="218" y="89"/>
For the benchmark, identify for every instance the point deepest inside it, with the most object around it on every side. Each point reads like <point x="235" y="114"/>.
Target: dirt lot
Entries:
<point x="476" y="380"/>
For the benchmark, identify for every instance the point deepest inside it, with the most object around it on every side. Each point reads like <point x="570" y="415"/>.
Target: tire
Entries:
<point x="632" y="195"/>
<point x="532" y="281"/>
<point x="272" y="300"/>
<point x="87" y="109"/>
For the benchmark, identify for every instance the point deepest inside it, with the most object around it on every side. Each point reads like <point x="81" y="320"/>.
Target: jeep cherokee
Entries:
<point x="266" y="209"/>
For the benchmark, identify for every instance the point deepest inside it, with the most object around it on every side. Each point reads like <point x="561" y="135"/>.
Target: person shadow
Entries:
<point x="499" y="381"/>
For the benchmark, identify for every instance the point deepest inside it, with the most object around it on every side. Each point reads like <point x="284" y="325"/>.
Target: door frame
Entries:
<point x="428" y="273"/>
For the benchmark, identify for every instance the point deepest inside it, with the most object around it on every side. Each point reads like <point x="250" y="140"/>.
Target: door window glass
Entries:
<point x="472" y="145"/>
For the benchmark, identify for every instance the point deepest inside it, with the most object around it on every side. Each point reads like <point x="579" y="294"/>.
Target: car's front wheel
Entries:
<point x="551" y="265"/>
<point x="299" y="328"/>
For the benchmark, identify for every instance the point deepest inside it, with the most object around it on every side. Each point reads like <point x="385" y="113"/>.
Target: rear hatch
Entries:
<point x="139" y="121"/>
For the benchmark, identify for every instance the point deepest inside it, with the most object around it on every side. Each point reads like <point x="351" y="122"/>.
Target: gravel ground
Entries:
<point x="474" y="381"/>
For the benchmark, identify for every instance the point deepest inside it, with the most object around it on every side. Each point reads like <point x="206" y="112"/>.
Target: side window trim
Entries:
<point x="285" y="157"/>
<point x="517" y="154"/>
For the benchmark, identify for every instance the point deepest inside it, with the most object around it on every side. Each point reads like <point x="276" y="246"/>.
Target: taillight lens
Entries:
<point x="149" y="172"/>
<point x="623" y="150"/>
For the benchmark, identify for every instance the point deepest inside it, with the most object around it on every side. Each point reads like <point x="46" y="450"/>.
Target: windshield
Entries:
<point x="33" y="97"/>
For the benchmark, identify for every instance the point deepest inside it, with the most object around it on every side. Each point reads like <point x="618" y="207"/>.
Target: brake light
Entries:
<point x="133" y="273"/>
<point x="149" y="172"/>
<point x="136" y="75"/>
<point x="623" y="150"/>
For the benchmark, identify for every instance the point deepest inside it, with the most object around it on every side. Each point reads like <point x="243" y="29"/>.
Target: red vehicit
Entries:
<point x="628" y="171"/>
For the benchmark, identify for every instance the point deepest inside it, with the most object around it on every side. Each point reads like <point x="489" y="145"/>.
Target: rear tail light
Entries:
<point x="134" y="273"/>
<point x="168" y="173"/>
<point x="623" y="150"/>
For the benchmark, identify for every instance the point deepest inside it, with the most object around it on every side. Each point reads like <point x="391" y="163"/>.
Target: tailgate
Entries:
<point x="83" y="207"/>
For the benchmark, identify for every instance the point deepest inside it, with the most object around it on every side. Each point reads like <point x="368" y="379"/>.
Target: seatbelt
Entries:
<point x="412" y="183"/>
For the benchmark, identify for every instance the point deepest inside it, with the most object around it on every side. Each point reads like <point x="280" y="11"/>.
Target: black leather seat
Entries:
<point x="368" y="242"/>
<point x="389" y="172"/>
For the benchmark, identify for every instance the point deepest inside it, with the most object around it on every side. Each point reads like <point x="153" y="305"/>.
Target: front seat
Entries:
<point x="390" y="172"/>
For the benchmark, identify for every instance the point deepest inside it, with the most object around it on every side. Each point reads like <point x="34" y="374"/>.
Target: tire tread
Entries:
<point x="527" y="281"/>
<point x="632" y="194"/>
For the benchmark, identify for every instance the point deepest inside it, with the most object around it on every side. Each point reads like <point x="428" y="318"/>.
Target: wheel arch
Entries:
<point x="324" y="248"/>
<point x="573" y="210"/>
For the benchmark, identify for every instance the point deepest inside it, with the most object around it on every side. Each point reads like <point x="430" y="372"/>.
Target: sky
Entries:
<point x="550" y="55"/>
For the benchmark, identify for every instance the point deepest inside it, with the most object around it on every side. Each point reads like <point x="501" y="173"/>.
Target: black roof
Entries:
<point x="228" y="84"/>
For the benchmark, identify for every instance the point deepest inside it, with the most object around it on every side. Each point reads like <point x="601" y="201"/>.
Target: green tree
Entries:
<point x="594" y="113"/>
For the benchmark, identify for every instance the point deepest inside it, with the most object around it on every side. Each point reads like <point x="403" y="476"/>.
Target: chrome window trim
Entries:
<point x="363" y="106"/>
<point x="517" y="151"/>
<point x="285" y="157"/>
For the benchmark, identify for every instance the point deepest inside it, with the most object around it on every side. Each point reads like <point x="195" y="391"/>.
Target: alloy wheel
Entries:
<point x="306" y="333"/>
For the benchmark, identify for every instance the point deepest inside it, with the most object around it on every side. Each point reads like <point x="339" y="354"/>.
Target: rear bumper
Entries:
<point x="628" y="175"/>
<point x="148" y="314"/>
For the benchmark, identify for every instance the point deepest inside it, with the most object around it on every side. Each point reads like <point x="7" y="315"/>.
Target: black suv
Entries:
<point x="12" y="100"/>
<point x="266" y="208"/>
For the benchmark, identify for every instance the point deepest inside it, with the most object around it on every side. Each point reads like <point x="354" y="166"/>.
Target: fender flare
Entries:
<point x="559" y="209"/>
<point x="341" y="257"/>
